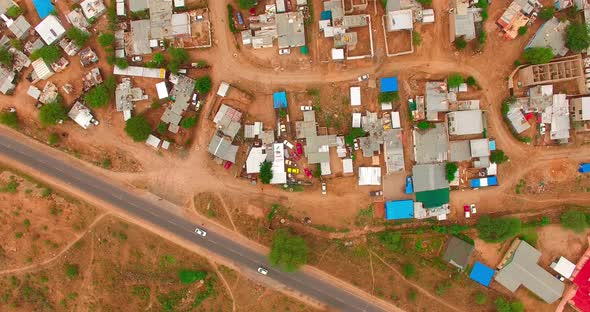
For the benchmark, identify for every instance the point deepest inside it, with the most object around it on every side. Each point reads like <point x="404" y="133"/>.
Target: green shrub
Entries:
<point x="423" y="125"/>
<point x="481" y="298"/>
<point x="49" y="54"/>
<point x="106" y="39"/>
<point x="52" y="113"/>
<point x="203" y="85"/>
<point x="14" y="12"/>
<point x="265" y="174"/>
<point x="97" y="97"/>
<point x="391" y="240"/>
<point x="497" y="230"/>
<point x="538" y="55"/>
<point x="498" y="157"/>
<point x="288" y="252"/>
<point x="189" y="276"/>
<point x="121" y="63"/>
<point x="455" y="80"/>
<point x="451" y="169"/>
<point x="78" y="36"/>
<point x="409" y="270"/>
<point x="574" y="220"/>
<point x="71" y="270"/>
<point x="6" y="57"/>
<point x="522" y="30"/>
<point x="460" y="43"/>
<point x="471" y="81"/>
<point x="189" y="122"/>
<point x="9" y="119"/>
<point x="416" y="38"/>
<point x="53" y="138"/>
<point x="547" y="13"/>
<point x="247" y="4"/>
<point x="387" y="97"/>
<point x="138" y="128"/>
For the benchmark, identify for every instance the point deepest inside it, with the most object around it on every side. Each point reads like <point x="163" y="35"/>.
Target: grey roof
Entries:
<point x="181" y="93"/>
<point x="20" y="27"/>
<point x="458" y="252"/>
<point x="465" y="122"/>
<point x="317" y="149"/>
<point x="308" y="127"/>
<point x="459" y="151"/>
<point x="551" y="35"/>
<point x="480" y="148"/>
<point x="523" y="269"/>
<point x="517" y="120"/>
<point x="160" y="19"/>
<point x="430" y="177"/>
<point x="221" y="147"/>
<point x="465" y="25"/>
<point x="138" y="5"/>
<point x="6" y="78"/>
<point x="170" y="116"/>
<point x="394" y="150"/>
<point x="437" y="96"/>
<point x="228" y="120"/>
<point x="431" y="145"/>
<point x="373" y="125"/>
<point x="122" y="96"/>
<point x="290" y="29"/>
<point x="140" y="31"/>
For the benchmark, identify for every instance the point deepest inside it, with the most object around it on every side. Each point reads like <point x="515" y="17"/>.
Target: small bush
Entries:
<point x="471" y="81"/>
<point x="416" y="38"/>
<point x="53" y="139"/>
<point x="203" y="85"/>
<point x="9" y="119"/>
<point x="423" y="125"/>
<point x="455" y="80"/>
<point x="460" y="43"/>
<point x="481" y="298"/>
<point x="189" y="276"/>
<point x="138" y="128"/>
<point x="52" y="113"/>
<point x="522" y="30"/>
<point x="78" y="36"/>
<point x="574" y="220"/>
<point x="387" y="97"/>
<point x="189" y="122"/>
<point x="71" y="270"/>
<point x="451" y="169"/>
<point x="547" y="13"/>
<point x="409" y="270"/>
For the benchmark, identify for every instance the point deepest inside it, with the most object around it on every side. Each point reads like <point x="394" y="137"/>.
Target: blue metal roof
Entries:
<point x="326" y="15"/>
<point x="388" y="84"/>
<point x="584" y="167"/>
<point x="482" y="273"/>
<point x="43" y="7"/>
<point x="399" y="209"/>
<point x="280" y="99"/>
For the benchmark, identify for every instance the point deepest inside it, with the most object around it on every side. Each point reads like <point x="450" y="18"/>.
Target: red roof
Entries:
<point x="529" y="116"/>
<point x="582" y="280"/>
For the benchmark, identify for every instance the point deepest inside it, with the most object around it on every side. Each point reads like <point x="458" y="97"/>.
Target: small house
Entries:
<point x="399" y="209"/>
<point x="50" y="29"/>
<point x="458" y="252"/>
<point x="81" y="115"/>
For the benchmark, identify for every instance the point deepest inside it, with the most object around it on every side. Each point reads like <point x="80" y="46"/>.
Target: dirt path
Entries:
<point x="231" y="294"/>
<point x="46" y="262"/>
<point x="426" y="292"/>
<point x="227" y="211"/>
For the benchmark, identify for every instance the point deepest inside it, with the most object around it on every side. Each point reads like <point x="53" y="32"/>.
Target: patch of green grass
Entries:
<point x="167" y="260"/>
<point x="520" y="186"/>
<point x="141" y="291"/>
<point x="11" y="187"/>
<point x="364" y="216"/>
<point x="71" y="270"/>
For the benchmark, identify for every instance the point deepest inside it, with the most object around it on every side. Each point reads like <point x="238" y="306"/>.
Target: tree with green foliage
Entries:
<point x="425" y="2"/>
<point x="409" y="270"/>
<point x="387" y="97"/>
<point x="78" y="36"/>
<point x="265" y="174"/>
<point x="423" y="125"/>
<point x="158" y="59"/>
<point x="470" y="81"/>
<point x="230" y="19"/>
<point x="162" y="128"/>
<point x="9" y="119"/>
<point x="481" y="298"/>
<point x="49" y="53"/>
<point x="52" y="113"/>
<point x="502" y="305"/>
<point x="317" y="173"/>
<point x="574" y="220"/>
<point x="71" y="270"/>
<point x="498" y="157"/>
<point x="451" y="168"/>
<point x="288" y="252"/>
<point x="203" y="84"/>
<point x="455" y="80"/>
<point x="247" y="4"/>
<point x="17" y="44"/>
<point x="391" y="240"/>
<point x="6" y="57"/>
<point x="189" y="122"/>
<point x="110" y="84"/>
<point x="577" y="37"/>
<point x="138" y="128"/>
<point x="547" y="13"/>
<point x="354" y="133"/>
<point x="121" y="62"/>
<point x="190" y="276"/>
<point x="460" y="43"/>
<point x="178" y="56"/>
<point x="14" y="11"/>
<point x="416" y="38"/>
<point x="97" y="96"/>
<point x="539" y="55"/>
<point x="497" y="230"/>
<point x="106" y="39"/>
<point x="482" y="37"/>
<point x="522" y="30"/>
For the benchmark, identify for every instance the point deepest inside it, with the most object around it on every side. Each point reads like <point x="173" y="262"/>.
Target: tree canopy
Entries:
<point x="203" y="84"/>
<point x="455" y="80"/>
<point x="496" y="230"/>
<point x="423" y="125"/>
<point x="265" y="174"/>
<point x="574" y="220"/>
<point x="178" y="56"/>
<point x="470" y="81"/>
<point x="577" y="38"/>
<point x="138" y="128"/>
<point x="246" y="4"/>
<point x="460" y="43"/>
<point x="97" y="96"/>
<point x="9" y="119"/>
<point x="451" y="169"/>
<point x="78" y="36"/>
<point x="538" y="55"/>
<point x="52" y="113"/>
<point x="106" y="39"/>
<point x="498" y="157"/>
<point x="121" y="63"/>
<point x="189" y="122"/>
<point x="49" y="53"/>
<point x="288" y="252"/>
<point x="6" y="57"/>
<point x="354" y="133"/>
<point x="386" y="97"/>
<point x="547" y="13"/>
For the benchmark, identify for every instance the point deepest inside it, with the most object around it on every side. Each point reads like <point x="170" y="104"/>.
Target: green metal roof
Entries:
<point x="435" y="198"/>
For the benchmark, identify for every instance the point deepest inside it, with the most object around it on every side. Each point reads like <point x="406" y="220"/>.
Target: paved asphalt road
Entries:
<point x="150" y="212"/>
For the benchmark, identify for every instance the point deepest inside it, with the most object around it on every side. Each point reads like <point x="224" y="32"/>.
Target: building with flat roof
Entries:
<point x="50" y="29"/>
<point x="393" y="149"/>
<point x="126" y="94"/>
<point x="290" y="29"/>
<point x="20" y="27"/>
<point x="458" y="252"/>
<point x="513" y="18"/>
<point x="77" y="19"/>
<point x="431" y="145"/>
<point x="466" y="122"/>
<point x="400" y="20"/>
<point x="222" y="148"/>
<point x="429" y="177"/>
<point x="369" y="176"/>
<point x="160" y="19"/>
<point x="580" y="108"/>
<point x="81" y="115"/>
<point x="437" y="99"/>
<point x="138" y="5"/>
<point x="399" y="209"/>
<point x="519" y="267"/>
<point x="228" y="120"/>
<point x="482" y="274"/>
<point x="140" y="37"/>
<point x="6" y="80"/>
<point x="93" y="8"/>
<point x="279" y="100"/>
<point x="41" y="70"/>
<point x="551" y="35"/>
<point x="463" y="19"/>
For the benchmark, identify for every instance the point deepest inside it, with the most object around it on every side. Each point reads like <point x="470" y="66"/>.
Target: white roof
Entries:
<point x="92" y="8"/>
<point x="165" y="144"/>
<point x="223" y="89"/>
<point x="120" y="8"/>
<point x="347" y="166"/>
<point x="560" y="121"/>
<point x="256" y="157"/>
<point x="41" y="68"/>
<point x="356" y="120"/>
<point x="137" y="71"/>
<point x="181" y="24"/>
<point x="153" y="141"/>
<point x="369" y="175"/>
<point x="81" y="115"/>
<point x="162" y="90"/>
<point x="34" y="92"/>
<point x="492" y="169"/>
<point x="337" y="54"/>
<point x="564" y="267"/>
<point x="395" y="120"/>
<point x="279" y="176"/>
<point x="126" y="115"/>
<point x="586" y="108"/>
<point x="50" y="29"/>
<point x="178" y="3"/>
<point x="326" y="170"/>
<point x="400" y="20"/>
<point x="355" y="96"/>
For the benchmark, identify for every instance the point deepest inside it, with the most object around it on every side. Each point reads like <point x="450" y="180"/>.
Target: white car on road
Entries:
<point x="262" y="271"/>
<point x="306" y="108"/>
<point x="200" y="232"/>
<point x="324" y="188"/>
<point x="284" y="51"/>
<point x="364" y="77"/>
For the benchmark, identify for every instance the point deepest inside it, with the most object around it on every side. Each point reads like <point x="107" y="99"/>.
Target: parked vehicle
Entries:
<point x="409" y="185"/>
<point x="183" y="71"/>
<point x="95" y="121"/>
<point x="376" y="193"/>
<point x="201" y="232"/>
<point x="11" y="109"/>
<point x="262" y="271"/>
<point x="295" y="156"/>
<point x="137" y="58"/>
<point x="199" y="102"/>
<point x="299" y="148"/>
<point x="227" y="164"/>
<point x="467" y="211"/>
<point x="194" y="99"/>
<point x="293" y="170"/>
<point x="324" y="188"/>
<point x="288" y="162"/>
<point x="307" y="172"/>
<point x="364" y="77"/>
<point x="306" y="108"/>
<point x="356" y="145"/>
<point x="473" y="208"/>
<point x="542" y="129"/>
<point x="240" y="19"/>
<point x="288" y="144"/>
<point x="284" y="51"/>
